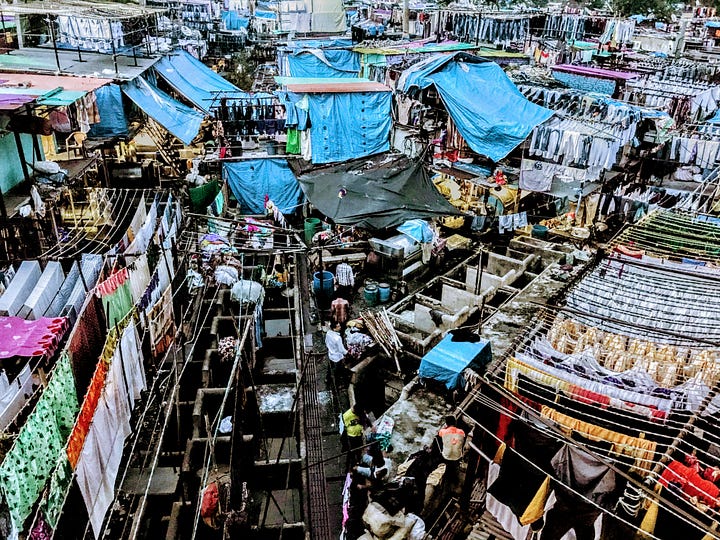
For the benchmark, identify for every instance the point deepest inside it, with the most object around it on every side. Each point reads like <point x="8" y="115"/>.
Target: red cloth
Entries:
<point x="693" y="485"/>
<point x="704" y="490"/>
<point x="113" y="282"/>
<point x="676" y="472"/>
<point x="87" y="412"/>
<point x="19" y="337"/>
<point x="589" y="398"/>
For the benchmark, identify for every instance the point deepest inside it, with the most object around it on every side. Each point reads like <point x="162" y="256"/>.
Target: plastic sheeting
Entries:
<point x="180" y="120"/>
<point x="234" y="21"/>
<point x="44" y="292"/>
<point x="112" y="113"/>
<point x="376" y="195"/>
<point x="329" y="63"/>
<point x="252" y="180"/>
<point x="349" y="125"/>
<point x="417" y="229"/>
<point x="490" y="113"/>
<point x="193" y="79"/>
<point x="12" y="300"/>
<point x="446" y="361"/>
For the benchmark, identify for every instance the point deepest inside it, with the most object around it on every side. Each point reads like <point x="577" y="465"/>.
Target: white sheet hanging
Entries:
<point x="20" y="288"/>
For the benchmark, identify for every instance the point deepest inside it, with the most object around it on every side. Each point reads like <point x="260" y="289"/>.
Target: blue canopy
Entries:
<point x="320" y="43"/>
<point x="324" y="63"/>
<point x="715" y="119"/>
<point x="180" y="120"/>
<point x="251" y="180"/>
<point x="417" y="229"/>
<point x="193" y="79"/>
<point x="489" y="111"/>
<point x="349" y="125"/>
<point x="446" y="361"/>
<point x="234" y="21"/>
<point x="112" y="113"/>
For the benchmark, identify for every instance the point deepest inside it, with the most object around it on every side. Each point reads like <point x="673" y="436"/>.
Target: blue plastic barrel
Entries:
<point x="323" y="290"/>
<point x="539" y="231"/>
<point x="383" y="292"/>
<point x="371" y="294"/>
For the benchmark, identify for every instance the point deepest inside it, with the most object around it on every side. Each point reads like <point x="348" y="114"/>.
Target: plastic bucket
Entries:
<point x="323" y="287"/>
<point x="539" y="231"/>
<point x="383" y="292"/>
<point x="371" y="294"/>
<point x="271" y="147"/>
<point x="312" y="225"/>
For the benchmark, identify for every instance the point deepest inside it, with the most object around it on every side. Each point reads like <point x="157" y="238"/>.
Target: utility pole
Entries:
<point x="406" y="19"/>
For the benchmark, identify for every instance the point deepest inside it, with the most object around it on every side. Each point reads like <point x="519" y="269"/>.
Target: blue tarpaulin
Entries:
<point x="715" y="119"/>
<point x="192" y="79"/>
<point x="324" y="63"/>
<point x="251" y="180"/>
<point x="112" y="113"/>
<point x="490" y="113"/>
<point x="417" y="229"/>
<point x="234" y="21"/>
<point x="347" y="125"/>
<point x="320" y="43"/>
<point x="446" y="361"/>
<point x="180" y="120"/>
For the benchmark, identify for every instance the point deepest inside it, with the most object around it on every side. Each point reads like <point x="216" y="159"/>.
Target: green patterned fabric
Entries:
<point x="28" y="465"/>
<point x="59" y="484"/>
<point x="118" y="304"/>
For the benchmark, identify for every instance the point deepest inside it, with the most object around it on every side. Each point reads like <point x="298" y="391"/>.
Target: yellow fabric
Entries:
<point x="499" y="454"/>
<point x="516" y="367"/>
<point x="536" y="508"/>
<point x="353" y="426"/>
<point x="709" y="535"/>
<point x="650" y="519"/>
<point x="641" y="449"/>
<point x="436" y="476"/>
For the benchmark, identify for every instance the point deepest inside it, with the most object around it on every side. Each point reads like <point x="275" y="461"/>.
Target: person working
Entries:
<point x="340" y="311"/>
<point x="355" y="421"/>
<point x="451" y="440"/>
<point x="375" y="465"/>
<point x="336" y="350"/>
<point x="345" y="279"/>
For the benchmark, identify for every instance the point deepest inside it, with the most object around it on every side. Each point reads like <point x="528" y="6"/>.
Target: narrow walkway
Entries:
<point x="317" y="488"/>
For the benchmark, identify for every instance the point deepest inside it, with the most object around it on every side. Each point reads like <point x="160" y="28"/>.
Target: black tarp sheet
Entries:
<point x="376" y="193"/>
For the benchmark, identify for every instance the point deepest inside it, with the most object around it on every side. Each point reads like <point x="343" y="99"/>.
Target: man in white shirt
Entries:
<point x="345" y="279"/>
<point x="335" y="349"/>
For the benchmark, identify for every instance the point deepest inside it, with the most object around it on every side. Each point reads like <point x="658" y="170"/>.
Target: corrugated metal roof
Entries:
<point x="50" y="82"/>
<point x="11" y="102"/>
<point x="595" y="72"/>
<point x="52" y="90"/>
<point x="79" y="8"/>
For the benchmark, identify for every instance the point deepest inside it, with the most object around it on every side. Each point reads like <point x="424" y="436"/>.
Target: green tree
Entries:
<point x="660" y="8"/>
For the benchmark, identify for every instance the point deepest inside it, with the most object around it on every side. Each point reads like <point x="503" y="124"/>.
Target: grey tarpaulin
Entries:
<point x="375" y="193"/>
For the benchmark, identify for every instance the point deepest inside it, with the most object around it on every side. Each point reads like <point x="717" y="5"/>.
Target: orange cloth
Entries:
<point x="642" y="450"/>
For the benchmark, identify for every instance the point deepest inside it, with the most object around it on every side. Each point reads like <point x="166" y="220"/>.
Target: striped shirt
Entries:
<point x="344" y="275"/>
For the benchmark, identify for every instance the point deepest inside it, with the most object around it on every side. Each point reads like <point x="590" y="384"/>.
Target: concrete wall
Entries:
<point x="454" y="299"/>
